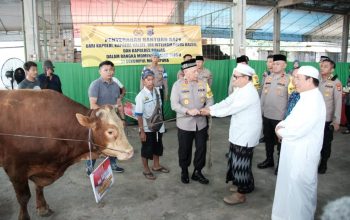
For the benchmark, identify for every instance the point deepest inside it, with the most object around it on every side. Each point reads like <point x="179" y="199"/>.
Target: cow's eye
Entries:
<point x="111" y="133"/>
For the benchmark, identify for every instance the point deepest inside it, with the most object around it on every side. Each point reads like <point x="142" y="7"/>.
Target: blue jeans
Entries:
<point x="90" y="166"/>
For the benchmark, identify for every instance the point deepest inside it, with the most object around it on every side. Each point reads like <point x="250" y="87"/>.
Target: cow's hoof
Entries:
<point x="44" y="212"/>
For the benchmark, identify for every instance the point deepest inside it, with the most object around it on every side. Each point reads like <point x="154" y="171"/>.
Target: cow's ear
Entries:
<point x="85" y="121"/>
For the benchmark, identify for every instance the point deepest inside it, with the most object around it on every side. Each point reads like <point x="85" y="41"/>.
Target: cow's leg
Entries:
<point x="23" y="196"/>
<point x="42" y="208"/>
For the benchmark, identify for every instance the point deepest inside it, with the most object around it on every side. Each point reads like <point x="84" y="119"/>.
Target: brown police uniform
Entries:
<point x="331" y="89"/>
<point x="274" y="99"/>
<point x="205" y="75"/>
<point x="187" y="95"/>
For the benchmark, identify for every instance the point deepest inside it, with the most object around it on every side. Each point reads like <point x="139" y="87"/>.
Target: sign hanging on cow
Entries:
<point x="133" y="45"/>
<point x="102" y="179"/>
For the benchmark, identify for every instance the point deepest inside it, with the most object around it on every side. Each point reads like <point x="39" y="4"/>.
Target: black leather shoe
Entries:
<point x="184" y="177"/>
<point x="266" y="163"/>
<point x="198" y="176"/>
<point x="322" y="167"/>
<point x="322" y="170"/>
<point x="262" y="140"/>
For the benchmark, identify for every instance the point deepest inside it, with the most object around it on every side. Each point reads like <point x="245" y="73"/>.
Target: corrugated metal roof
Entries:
<point x="215" y="17"/>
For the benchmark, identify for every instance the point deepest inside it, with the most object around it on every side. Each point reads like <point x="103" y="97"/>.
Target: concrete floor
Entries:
<point x="134" y="197"/>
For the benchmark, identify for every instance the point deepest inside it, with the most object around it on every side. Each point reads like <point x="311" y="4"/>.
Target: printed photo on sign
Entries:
<point x="102" y="179"/>
<point x="129" y="110"/>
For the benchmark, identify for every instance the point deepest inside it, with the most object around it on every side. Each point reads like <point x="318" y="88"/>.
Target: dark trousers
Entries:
<point x="270" y="136"/>
<point x="347" y="114"/>
<point x="161" y="91"/>
<point x="327" y="141"/>
<point x="185" y="147"/>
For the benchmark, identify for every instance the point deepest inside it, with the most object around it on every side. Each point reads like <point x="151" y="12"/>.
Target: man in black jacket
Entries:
<point x="49" y="80"/>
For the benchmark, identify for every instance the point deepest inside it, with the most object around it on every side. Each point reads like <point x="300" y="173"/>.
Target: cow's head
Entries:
<point x="108" y="131"/>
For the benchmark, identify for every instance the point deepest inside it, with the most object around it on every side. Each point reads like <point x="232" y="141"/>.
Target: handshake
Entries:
<point x="195" y="112"/>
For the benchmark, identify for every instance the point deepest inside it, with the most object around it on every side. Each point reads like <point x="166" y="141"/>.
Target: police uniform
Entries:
<point x="265" y="74"/>
<point x="331" y="89"/>
<point x="205" y="75"/>
<point x="180" y="74"/>
<point x="274" y="99"/>
<point x="187" y="95"/>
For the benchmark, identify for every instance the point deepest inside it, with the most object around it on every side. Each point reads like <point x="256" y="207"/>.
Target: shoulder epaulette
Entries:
<point x="334" y="77"/>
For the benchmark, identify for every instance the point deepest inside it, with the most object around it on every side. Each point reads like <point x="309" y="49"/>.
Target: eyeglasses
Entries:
<point x="237" y="77"/>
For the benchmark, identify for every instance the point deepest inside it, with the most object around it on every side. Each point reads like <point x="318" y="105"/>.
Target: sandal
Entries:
<point x="346" y="132"/>
<point x="161" y="169"/>
<point x="234" y="199"/>
<point x="149" y="175"/>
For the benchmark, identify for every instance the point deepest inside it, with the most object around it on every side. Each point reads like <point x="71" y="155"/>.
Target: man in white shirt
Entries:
<point x="148" y="103"/>
<point x="302" y="136"/>
<point x="246" y="122"/>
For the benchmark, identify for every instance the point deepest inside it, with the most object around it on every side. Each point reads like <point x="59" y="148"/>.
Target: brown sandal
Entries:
<point x="149" y="175"/>
<point x="234" y="199"/>
<point x="161" y="169"/>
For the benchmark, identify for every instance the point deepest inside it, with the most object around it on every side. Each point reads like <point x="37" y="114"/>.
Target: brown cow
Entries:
<point x="47" y="113"/>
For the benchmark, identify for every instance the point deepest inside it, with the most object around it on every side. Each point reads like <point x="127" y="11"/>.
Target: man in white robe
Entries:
<point x="302" y="135"/>
<point x="244" y="107"/>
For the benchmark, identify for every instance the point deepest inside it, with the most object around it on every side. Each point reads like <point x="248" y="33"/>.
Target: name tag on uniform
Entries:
<point x="185" y="91"/>
<point x="201" y="90"/>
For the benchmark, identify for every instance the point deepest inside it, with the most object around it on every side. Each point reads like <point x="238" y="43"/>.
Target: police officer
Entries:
<point x="188" y="96"/>
<point x="180" y="74"/>
<point x="269" y="65"/>
<point x="274" y="98"/>
<point x="255" y="78"/>
<point x="160" y="77"/>
<point x="203" y="73"/>
<point x="331" y="88"/>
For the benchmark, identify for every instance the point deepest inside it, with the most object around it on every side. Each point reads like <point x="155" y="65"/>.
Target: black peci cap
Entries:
<point x="200" y="58"/>
<point x="188" y="64"/>
<point x="277" y="57"/>
<point x="242" y="59"/>
<point x="322" y="58"/>
<point x="329" y="60"/>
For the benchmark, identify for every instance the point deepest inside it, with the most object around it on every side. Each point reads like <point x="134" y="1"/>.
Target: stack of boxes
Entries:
<point x="61" y="50"/>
